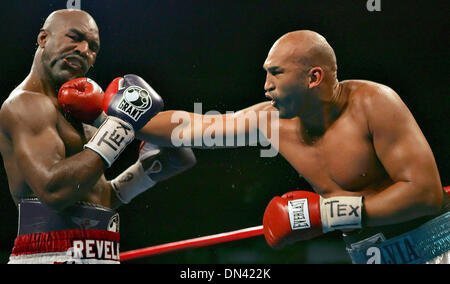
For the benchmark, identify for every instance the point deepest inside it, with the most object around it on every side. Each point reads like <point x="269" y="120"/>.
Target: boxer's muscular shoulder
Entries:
<point x="369" y="98"/>
<point x="27" y="111"/>
<point x="367" y="93"/>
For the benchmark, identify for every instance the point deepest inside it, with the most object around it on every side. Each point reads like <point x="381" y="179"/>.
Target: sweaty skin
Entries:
<point x="348" y="138"/>
<point x="42" y="148"/>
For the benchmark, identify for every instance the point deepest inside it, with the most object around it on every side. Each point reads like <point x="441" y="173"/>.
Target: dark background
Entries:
<point x="212" y="52"/>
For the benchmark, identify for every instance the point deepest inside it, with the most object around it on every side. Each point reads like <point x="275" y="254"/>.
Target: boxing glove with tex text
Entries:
<point x="129" y="103"/>
<point x="303" y="215"/>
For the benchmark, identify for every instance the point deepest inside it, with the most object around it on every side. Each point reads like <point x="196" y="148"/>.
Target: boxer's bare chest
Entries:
<point x="72" y="134"/>
<point x="343" y="159"/>
<point x="75" y="135"/>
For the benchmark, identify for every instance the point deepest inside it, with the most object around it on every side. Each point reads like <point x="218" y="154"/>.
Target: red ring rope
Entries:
<point x="193" y="243"/>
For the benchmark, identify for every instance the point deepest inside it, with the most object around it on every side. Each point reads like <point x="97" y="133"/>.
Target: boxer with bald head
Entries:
<point x="373" y="173"/>
<point x="55" y="162"/>
<point x="58" y="60"/>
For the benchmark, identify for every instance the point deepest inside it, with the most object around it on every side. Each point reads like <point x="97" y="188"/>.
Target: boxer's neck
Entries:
<point x="39" y="80"/>
<point x="332" y="102"/>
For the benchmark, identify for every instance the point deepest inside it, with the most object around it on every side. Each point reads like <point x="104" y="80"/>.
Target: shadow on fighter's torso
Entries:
<point x="341" y="162"/>
<point x="74" y="135"/>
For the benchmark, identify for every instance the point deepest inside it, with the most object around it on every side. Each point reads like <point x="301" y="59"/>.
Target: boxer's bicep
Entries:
<point x="39" y="152"/>
<point x="399" y="143"/>
<point x="35" y="158"/>
<point x="36" y="142"/>
<point x="407" y="158"/>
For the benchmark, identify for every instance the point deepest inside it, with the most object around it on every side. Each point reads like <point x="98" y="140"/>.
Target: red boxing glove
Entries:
<point x="447" y="189"/>
<point x="82" y="98"/>
<point x="303" y="215"/>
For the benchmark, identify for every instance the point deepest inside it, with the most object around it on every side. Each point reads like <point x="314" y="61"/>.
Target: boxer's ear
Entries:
<point x="316" y="75"/>
<point x="42" y="38"/>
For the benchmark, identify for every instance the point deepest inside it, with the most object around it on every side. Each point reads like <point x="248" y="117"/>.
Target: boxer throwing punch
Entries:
<point x="373" y="173"/>
<point x="55" y="168"/>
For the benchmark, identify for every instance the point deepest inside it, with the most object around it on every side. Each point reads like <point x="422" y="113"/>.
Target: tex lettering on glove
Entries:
<point x="129" y="103"/>
<point x="83" y="99"/>
<point x="303" y="215"/>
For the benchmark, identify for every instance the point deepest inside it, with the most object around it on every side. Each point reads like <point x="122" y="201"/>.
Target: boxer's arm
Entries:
<point x="155" y="164"/>
<point x="405" y="154"/>
<point x="40" y="153"/>
<point x="172" y="128"/>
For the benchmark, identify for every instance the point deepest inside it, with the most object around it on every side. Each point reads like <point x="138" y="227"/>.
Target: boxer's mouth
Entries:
<point x="271" y="97"/>
<point x="74" y="62"/>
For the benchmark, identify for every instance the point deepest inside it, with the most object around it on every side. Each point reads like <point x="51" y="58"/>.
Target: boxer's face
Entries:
<point x="70" y="48"/>
<point x="286" y="82"/>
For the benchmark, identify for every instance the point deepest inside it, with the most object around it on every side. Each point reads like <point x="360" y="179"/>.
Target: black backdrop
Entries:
<point x="212" y="52"/>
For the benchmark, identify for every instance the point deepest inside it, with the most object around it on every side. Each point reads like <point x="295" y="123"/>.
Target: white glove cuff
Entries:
<point x="111" y="139"/>
<point x="131" y="183"/>
<point x="340" y="213"/>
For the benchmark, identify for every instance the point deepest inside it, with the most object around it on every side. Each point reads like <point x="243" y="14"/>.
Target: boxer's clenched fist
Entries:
<point x="302" y="215"/>
<point x="153" y="165"/>
<point x="82" y="98"/>
<point x="129" y="103"/>
<point x="133" y="100"/>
